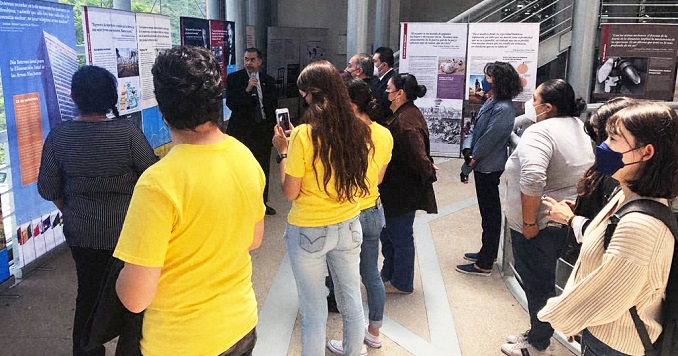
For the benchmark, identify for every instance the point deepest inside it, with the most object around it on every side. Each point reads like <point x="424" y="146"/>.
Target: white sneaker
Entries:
<point x="525" y="349"/>
<point x="515" y="339"/>
<point x="373" y="341"/>
<point x="337" y="348"/>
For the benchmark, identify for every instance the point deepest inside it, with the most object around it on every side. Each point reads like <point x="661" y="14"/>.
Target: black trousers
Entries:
<point x="535" y="262"/>
<point x="90" y="265"/>
<point x="244" y="346"/>
<point x="487" y="191"/>
<point x="257" y="137"/>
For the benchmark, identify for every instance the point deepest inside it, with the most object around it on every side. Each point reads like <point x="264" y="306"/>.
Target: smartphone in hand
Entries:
<point x="283" y="118"/>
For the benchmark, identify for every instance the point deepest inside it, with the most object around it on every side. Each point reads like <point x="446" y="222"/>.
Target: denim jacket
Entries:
<point x="490" y="136"/>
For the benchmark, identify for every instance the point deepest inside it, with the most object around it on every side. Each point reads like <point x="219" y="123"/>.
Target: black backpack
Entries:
<point x="667" y="343"/>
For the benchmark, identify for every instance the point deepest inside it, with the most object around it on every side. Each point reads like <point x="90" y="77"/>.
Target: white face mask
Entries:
<point x="531" y="110"/>
<point x="375" y="72"/>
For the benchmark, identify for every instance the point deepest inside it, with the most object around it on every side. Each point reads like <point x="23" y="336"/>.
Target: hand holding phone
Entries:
<point x="283" y="118"/>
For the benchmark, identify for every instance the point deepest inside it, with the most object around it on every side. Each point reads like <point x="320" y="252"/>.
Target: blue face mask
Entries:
<point x="608" y="162"/>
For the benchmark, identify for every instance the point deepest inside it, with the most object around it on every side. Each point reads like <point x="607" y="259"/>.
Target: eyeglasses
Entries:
<point x="391" y="91"/>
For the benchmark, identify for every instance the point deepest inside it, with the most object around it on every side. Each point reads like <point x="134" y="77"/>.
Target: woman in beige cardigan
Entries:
<point x="641" y="154"/>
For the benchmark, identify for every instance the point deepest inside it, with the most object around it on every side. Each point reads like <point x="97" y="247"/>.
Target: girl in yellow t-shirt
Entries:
<point x="372" y="218"/>
<point x="324" y="173"/>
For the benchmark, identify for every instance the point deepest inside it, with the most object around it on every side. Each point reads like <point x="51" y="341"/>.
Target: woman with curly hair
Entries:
<point x="485" y="154"/>
<point x="323" y="172"/>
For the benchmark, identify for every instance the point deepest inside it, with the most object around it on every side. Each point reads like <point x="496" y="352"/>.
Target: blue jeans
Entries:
<point x="591" y="346"/>
<point x="372" y="221"/>
<point x="311" y="250"/>
<point x="397" y="246"/>
<point x="535" y="261"/>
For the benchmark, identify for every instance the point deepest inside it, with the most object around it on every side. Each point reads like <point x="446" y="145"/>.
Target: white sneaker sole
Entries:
<point x="372" y="344"/>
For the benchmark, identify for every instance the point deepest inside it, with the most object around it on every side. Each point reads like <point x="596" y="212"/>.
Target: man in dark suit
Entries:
<point x="361" y="66"/>
<point x="252" y="97"/>
<point x="383" y="71"/>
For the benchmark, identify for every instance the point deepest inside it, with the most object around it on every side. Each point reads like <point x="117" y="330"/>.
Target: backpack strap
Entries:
<point x="665" y="215"/>
<point x="644" y="206"/>
<point x="642" y="331"/>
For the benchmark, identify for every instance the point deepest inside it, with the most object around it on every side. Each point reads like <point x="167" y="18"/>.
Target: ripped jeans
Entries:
<point x="311" y="251"/>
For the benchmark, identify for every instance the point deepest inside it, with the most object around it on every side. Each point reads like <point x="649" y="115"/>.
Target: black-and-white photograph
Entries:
<point x="622" y="75"/>
<point x="444" y="123"/>
<point x="229" y="44"/>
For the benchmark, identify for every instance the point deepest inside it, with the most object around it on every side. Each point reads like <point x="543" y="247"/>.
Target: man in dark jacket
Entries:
<point x="383" y="64"/>
<point x="252" y="97"/>
<point x="361" y="66"/>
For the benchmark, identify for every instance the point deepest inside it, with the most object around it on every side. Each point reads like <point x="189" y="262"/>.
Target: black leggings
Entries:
<point x="90" y="266"/>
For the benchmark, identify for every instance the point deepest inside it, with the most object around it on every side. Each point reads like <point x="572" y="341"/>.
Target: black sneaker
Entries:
<point x="471" y="256"/>
<point x="472" y="269"/>
<point x="270" y="211"/>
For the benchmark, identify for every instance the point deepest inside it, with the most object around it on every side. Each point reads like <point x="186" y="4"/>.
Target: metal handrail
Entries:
<point x="607" y="17"/>
<point x="639" y="5"/>
<point x="477" y="8"/>
<point x="594" y="106"/>
<point x="552" y="15"/>
<point x="526" y="7"/>
<point x="556" y="26"/>
<point x="500" y="8"/>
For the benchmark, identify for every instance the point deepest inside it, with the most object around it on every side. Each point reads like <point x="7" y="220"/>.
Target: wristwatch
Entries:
<point x="280" y="157"/>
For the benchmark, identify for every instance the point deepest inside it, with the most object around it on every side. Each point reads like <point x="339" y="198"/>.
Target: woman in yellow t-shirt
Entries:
<point x="323" y="172"/>
<point x="372" y="218"/>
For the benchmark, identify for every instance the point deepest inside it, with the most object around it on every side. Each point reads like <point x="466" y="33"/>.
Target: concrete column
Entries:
<point x="212" y="10"/>
<point x="382" y="23"/>
<point x="256" y="16"/>
<point x="122" y="5"/>
<point x="356" y="28"/>
<point x="580" y="64"/>
<point x="394" y="30"/>
<point x="235" y="11"/>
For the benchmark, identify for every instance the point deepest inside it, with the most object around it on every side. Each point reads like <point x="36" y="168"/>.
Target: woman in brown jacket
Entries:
<point x="408" y="182"/>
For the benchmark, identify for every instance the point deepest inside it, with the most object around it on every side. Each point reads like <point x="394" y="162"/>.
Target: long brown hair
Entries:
<point x="338" y="135"/>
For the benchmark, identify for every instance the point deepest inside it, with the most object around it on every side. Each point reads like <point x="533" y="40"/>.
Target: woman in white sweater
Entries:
<point x="641" y="153"/>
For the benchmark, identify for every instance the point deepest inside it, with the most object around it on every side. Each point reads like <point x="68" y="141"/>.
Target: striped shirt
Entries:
<point x="604" y="284"/>
<point x="93" y="166"/>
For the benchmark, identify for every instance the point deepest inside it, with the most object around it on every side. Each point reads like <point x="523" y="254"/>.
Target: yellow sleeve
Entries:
<point x="148" y="227"/>
<point x="295" y="165"/>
